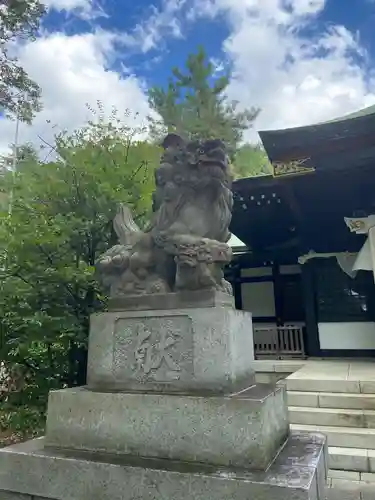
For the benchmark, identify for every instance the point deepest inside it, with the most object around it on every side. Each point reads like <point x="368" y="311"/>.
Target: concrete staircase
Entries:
<point x="344" y="410"/>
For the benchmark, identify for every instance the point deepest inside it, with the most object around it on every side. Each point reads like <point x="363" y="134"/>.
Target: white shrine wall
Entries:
<point x="258" y="297"/>
<point x="347" y="336"/>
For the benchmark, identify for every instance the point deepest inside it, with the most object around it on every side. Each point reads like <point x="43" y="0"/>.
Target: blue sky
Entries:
<point x="154" y="65"/>
<point x="127" y="17"/>
<point x="299" y="61"/>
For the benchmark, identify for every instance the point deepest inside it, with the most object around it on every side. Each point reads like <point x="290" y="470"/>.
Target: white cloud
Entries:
<point x="67" y="4"/>
<point x="160" y="25"/>
<point x="294" y="79"/>
<point x="305" y="7"/>
<point x="73" y="71"/>
<point x="86" y="9"/>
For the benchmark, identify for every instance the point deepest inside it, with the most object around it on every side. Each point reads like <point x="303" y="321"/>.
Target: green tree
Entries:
<point x="19" y="95"/>
<point x="251" y="161"/>
<point x="195" y="104"/>
<point x="61" y="221"/>
<point x="25" y="154"/>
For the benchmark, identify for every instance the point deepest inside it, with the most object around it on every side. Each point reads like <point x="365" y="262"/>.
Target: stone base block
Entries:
<point x="28" y="469"/>
<point x="245" y="430"/>
<point x="178" y="350"/>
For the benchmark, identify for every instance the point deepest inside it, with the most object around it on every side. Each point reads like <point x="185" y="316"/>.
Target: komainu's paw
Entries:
<point x="226" y="287"/>
<point x="115" y="260"/>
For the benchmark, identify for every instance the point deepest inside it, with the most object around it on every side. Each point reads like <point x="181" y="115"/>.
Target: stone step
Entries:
<point x="347" y="485"/>
<point x="331" y="400"/>
<point x="339" y="385"/>
<point x="351" y="459"/>
<point x="278" y="366"/>
<point x="348" y="437"/>
<point x="334" y="417"/>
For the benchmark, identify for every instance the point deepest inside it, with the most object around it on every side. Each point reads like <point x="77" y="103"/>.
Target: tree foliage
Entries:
<point x="60" y="222"/>
<point x="195" y="104"/>
<point x="23" y="155"/>
<point x="251" y="161"/>
<point x="19" y="95"/>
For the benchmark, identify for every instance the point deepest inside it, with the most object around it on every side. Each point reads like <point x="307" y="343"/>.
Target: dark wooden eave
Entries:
<point x="346" y="143"/>
<point x="294" y="214"/>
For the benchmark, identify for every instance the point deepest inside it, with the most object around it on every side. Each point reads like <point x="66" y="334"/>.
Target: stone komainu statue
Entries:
<point x="185" y="246"/>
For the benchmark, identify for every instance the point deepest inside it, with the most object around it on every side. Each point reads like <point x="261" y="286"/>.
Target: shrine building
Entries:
<point x="307" y="270"/>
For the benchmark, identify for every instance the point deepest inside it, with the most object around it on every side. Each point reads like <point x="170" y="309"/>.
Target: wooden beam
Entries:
<point x="312" y="343"/>
<point x="277" y="294"/>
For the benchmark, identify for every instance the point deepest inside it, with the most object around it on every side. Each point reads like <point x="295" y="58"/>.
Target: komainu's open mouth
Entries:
<point x="213" y="153"/>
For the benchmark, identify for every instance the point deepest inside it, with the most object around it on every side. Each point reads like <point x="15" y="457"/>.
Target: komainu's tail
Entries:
<point x="124" y="225"/>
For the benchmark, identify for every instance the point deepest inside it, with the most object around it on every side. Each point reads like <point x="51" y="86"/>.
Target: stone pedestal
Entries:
<point x="31" y="472"/>
<point x="244" y="430"/>
<point x="170" y="412"/>
<point x="185" y="350"/>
